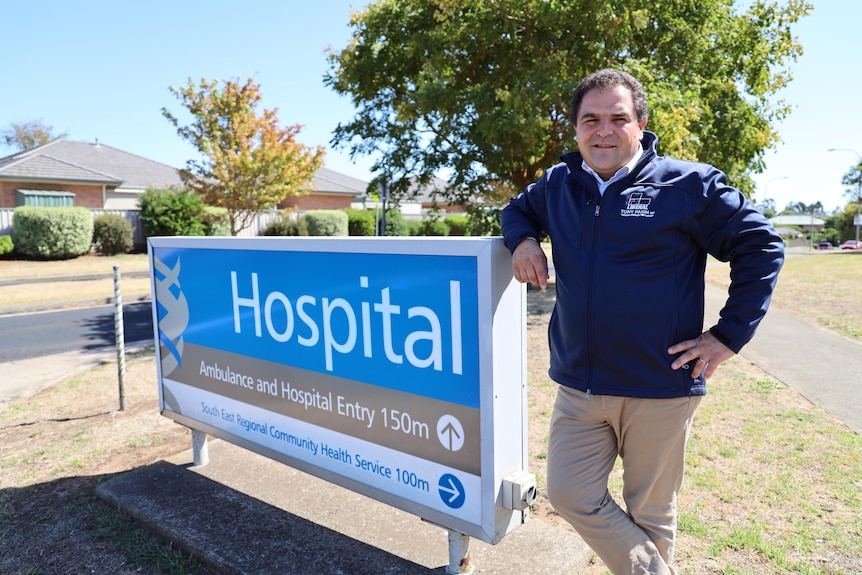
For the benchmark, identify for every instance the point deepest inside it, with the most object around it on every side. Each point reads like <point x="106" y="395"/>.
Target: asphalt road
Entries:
<point x="40" y="334"/>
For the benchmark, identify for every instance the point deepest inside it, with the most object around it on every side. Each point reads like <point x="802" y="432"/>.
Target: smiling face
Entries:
<point x="608" y="130"/>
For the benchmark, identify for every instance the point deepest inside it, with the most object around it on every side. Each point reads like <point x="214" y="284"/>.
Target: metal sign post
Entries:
<point x="119" y="337"/>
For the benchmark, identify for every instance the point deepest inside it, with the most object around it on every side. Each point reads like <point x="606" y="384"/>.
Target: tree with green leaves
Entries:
<point x="767" y="208"/>
<point x="249" y="162"/>
<point x="803" y="208"/>
<point x="853" y="180"/>
<point x="26" y="135"/>
<point x="852" y="211"/>
<point x="481" y="88"/>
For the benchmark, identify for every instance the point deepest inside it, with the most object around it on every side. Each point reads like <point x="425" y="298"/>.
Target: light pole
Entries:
<point x="858" y="219"/>
<point x="383" y="190"/>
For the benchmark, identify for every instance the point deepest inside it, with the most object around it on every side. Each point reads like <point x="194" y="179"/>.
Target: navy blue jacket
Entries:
<point x="630" y="269"/>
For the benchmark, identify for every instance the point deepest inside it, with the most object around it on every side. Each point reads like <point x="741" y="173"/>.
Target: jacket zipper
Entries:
<point x="589" y="284"/>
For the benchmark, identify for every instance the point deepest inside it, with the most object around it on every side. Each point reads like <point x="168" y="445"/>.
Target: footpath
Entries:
<point x="822" y="366"/>
<point x="245" y="514"/>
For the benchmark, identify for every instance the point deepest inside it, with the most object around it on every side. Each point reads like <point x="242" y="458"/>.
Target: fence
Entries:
<point x="6" y="221"/>
<point x="261" y="220"/>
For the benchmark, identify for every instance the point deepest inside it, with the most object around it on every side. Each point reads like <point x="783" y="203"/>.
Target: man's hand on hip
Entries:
<point x="708" y="351"/>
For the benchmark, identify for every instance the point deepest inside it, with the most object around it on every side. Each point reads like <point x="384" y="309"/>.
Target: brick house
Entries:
<point x="331" y="191"/>
<point x="430" y="197"/>
<point x="89" y="175"/>
<point x="93" y="175"/>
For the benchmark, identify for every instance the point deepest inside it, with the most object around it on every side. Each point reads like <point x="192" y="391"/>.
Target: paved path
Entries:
<point x="824" y="367"/>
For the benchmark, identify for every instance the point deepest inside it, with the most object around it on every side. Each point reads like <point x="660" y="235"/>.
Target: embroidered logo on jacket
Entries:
<point x="637" y="206"/>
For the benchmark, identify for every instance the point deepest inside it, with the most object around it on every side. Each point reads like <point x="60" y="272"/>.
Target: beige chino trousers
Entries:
<point x="650" y="435"/>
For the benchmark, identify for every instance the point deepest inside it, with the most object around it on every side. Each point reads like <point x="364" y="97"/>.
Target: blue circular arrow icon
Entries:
<point x="451" y="491"/>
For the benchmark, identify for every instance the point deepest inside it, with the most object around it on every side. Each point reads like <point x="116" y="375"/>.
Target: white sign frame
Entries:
<point x="498" y="348"/>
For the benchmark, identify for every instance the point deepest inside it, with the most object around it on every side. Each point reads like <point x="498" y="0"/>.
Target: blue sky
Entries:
<point x="101" y="70"/>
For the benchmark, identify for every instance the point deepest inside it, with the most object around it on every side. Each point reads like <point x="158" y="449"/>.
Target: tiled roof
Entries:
<point x="47" y="168"/>
<point x="796" y="220"/>
<point x="329" y="182"/>
<point x="431" y="192"/>
<point x="68" y="161"/>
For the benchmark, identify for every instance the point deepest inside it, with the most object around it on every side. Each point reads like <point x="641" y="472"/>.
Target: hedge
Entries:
<point x="52" y="233"/>
<point x="6" y="245"/>
<point x="360" y="222"/>
<point x="282" y="227"/>
<point x="112" y="234"/>
<point x="326" y="222"/>
<point x="172" y="213"/>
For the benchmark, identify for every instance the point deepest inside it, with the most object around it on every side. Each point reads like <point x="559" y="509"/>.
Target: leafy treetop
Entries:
<point x="249" y="162"/>
<point x="26" y="135"/>
<point x="481" y="88"/>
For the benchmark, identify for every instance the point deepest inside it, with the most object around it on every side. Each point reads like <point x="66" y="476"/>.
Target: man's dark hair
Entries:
<point x="608" y="79"/>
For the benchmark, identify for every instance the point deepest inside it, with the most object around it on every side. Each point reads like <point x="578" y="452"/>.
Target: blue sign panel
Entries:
<point x="407" y="323"/>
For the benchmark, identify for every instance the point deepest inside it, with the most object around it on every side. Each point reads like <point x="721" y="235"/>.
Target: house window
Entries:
<point x="44" y="198"/>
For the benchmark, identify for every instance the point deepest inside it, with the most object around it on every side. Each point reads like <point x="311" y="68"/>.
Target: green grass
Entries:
<point x="143" y="551"/>
<point x="136" y="440"/>
<point x="773" y="484"/>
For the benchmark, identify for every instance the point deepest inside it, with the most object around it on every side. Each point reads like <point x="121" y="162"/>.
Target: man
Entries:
<point x="630" y="232"/>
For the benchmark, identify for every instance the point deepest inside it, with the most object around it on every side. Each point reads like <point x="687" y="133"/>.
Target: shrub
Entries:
<point x="360" y="222"/>
<point x="326" y="222"/>
<point x="52" y="233"/>
<point x="432" y="228"/>
<point x="112" y="234"/>
<point x="6" y="245"/>
<point x="457" y="225"/>
<point x="282" y="227"/>
<point x="413" y="228"/>
<point x="395" y="223"/>
<point x="172" y="213"/>
<point x="483" y="221"/>
<point x="216" y="221"/>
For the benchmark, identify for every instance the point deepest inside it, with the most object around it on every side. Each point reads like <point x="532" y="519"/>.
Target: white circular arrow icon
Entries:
<point x="450" y="432"/>
<point x="451" y="491"/>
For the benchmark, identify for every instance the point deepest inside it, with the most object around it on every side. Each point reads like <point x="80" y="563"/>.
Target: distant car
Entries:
<point x="824" y="246"/>
<point x="851" y="245"/>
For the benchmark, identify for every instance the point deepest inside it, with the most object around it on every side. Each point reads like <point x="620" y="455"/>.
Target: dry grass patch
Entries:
<point x="73" y="292"/>
<point x="822" y="288"/>
<point x="76" y="426"/>
<point x="83" y="265"/>
<point x="57" y="446"/>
